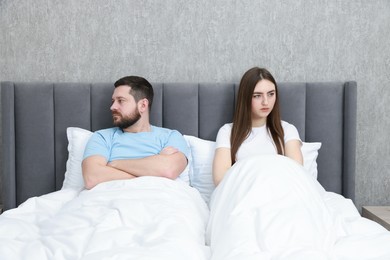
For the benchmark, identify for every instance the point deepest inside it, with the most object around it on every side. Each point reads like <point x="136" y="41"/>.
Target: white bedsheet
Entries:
<point x="268" y="207"/>
<point x="144" y="218"/>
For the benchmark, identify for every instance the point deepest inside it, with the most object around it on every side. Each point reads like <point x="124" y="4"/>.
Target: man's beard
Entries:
<point x="127" y="121"/>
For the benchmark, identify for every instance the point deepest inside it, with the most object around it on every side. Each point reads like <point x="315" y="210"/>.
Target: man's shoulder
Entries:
<point x="167" y="132"/>
<point x="107" y="131"/>
<point x="159" y="129"/>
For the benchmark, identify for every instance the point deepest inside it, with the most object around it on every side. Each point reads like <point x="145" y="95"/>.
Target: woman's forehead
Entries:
<point x="264" y="86"/>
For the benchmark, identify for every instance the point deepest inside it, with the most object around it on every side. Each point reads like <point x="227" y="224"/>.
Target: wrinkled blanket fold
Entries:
<point x="266" y="207"/>
<point x="145" y="218"/>
<point x="269" y="207"/>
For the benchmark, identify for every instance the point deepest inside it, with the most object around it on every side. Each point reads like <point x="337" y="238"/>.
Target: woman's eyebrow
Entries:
<point x="257" y="92"/>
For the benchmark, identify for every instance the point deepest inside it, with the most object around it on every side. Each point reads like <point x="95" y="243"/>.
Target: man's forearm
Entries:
<point x="95" y="171"/>
<point x="162" y="165"/>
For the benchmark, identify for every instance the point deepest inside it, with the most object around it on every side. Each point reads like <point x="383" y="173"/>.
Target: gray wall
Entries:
<point x="199" y="40"/>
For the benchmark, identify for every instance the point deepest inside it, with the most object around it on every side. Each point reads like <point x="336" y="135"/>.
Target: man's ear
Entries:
<point x="143" y="105"/>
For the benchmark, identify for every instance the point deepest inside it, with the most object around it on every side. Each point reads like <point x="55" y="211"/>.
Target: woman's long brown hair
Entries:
<point x="242" y="119"/>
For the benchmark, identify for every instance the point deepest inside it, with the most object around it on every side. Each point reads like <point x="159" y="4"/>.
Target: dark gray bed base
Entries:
<point x="35" y="117"/>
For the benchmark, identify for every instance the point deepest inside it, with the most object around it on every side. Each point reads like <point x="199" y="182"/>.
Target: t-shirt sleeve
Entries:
<point x="223" y="136"/>
<point x="177" y="140"/>
<point x="290" y="132"/>
<point x="97" y="145"/>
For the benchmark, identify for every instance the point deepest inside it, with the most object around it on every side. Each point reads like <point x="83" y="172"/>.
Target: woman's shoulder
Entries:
<point x="286" y="124"/>
<point x="226" y="127"/>
<point x="288" y="127"/>
<point x="223" y="135"/>
<point x="290" y="131"/>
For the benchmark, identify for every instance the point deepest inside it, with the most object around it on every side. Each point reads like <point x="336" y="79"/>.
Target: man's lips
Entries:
<point x="115" y="115"/>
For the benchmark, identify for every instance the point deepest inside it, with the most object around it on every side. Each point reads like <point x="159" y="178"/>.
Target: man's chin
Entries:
<point x="116" y="122"/>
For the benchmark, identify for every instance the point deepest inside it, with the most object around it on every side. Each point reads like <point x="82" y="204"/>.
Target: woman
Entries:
<point x="257" y="127"/>
<point x="267" y="206"/>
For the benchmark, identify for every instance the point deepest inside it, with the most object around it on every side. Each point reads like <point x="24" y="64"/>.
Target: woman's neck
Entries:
<point x="259" y="123"/>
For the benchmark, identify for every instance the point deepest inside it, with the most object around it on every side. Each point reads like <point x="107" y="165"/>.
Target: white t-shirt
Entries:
<point x="258" y="142"/>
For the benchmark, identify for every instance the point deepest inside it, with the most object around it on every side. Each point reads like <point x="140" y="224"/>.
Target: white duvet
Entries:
<point x="268" y="207"/>
<point x="144" y="218"/>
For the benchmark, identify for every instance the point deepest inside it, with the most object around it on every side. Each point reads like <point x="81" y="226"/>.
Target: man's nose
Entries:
<point x="113" y="106"/>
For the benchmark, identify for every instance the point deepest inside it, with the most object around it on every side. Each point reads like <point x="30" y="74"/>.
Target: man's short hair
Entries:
<point x="139" y="88"/>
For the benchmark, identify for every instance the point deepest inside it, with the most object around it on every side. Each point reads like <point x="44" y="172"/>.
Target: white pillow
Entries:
<point x="310" y="154"/>
<point x="77" y="140"/>
<point x="201" y="177"/>
<point x="202" y="152"/>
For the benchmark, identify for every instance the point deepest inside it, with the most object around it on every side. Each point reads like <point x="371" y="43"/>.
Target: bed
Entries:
<point x="45" y="124"/>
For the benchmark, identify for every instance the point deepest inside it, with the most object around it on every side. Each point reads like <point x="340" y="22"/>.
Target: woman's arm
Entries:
<point x="293" y="150"/>
<point x="222" y="162"/>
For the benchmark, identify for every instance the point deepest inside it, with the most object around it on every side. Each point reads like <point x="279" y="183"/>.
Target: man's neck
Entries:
<point x="139" y="127"/>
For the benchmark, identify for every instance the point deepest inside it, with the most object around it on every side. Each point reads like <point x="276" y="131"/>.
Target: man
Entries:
<point x="134" y="147"/>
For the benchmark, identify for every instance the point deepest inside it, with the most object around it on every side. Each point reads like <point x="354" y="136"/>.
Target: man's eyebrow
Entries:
<point x="117" y="97"/>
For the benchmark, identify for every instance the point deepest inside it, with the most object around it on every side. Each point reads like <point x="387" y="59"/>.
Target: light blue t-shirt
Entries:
<point x="114" y="144"/>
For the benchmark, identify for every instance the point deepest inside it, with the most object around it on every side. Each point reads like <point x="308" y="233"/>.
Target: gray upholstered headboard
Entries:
<point x="35" y="117"/>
